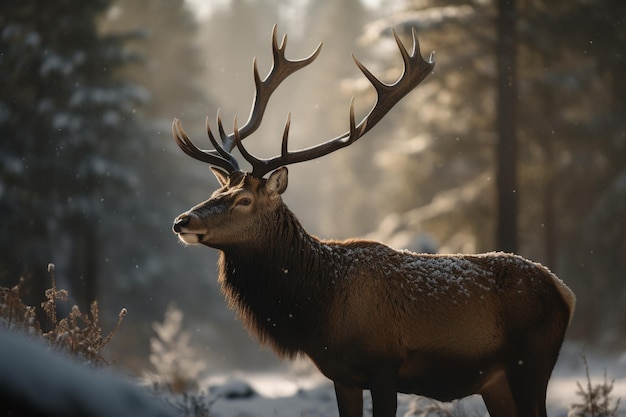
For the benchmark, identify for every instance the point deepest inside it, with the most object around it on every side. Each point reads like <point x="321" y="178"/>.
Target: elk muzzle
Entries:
<point x="183" y="228"/>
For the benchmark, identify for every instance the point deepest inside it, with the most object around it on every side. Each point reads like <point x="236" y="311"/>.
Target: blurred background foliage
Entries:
<point x="91" y="180"/>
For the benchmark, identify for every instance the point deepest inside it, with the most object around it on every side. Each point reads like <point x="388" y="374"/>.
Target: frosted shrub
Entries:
<point x="172" y="357"/>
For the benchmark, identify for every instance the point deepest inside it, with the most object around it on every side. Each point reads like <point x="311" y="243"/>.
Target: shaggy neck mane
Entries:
<point x="277" y="285"/>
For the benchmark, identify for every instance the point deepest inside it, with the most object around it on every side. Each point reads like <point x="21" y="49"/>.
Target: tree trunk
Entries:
<point x="506" y="175"/>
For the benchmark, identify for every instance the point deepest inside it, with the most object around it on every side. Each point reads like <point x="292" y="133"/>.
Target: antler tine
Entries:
<point x="227" y="140"/>
<point x="353" y="134"/>
<point x="257" y="164"/>
<point x="210" y="157"/>
<point x="219" y="148"/>
<point x="284" y="149"/>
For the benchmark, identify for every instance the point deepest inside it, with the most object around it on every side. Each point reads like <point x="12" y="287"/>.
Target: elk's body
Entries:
<point x="371" y="317"/>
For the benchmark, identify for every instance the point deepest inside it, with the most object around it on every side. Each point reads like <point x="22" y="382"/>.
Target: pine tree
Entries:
<point x="65" y="122"/>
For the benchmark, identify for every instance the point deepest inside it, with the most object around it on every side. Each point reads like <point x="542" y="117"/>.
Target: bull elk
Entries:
<point x="371" y="317"/>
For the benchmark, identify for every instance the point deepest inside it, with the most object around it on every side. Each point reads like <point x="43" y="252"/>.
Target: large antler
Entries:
<point x="415" y="70"/>
<point x="281" y="69"/>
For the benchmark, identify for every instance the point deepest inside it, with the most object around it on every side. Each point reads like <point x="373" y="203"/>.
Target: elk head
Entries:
<point x="243" y="195"/>
<point x="231" y="216"/>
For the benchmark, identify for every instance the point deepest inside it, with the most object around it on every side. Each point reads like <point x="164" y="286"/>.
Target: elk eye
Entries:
<point x="244" y="201"/>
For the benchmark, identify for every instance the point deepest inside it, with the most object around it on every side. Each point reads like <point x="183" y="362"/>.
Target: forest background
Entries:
<point x="90" y="178"/>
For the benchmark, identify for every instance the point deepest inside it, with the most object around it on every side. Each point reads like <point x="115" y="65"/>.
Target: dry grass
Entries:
<point x="79" y="334"/>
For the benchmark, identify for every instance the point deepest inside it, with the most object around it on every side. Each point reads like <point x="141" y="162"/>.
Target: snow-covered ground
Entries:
<point x="309" y="394"/>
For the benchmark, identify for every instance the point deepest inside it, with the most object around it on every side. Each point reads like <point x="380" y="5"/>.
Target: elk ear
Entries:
<point x="221" y="175"/>
<point x="277" y="182"/>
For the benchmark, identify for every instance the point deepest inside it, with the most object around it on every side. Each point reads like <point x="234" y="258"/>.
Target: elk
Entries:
<point x="371" y="317"/>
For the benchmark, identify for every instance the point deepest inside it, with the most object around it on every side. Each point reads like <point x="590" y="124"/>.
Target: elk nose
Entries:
<point x="180" y="222"/>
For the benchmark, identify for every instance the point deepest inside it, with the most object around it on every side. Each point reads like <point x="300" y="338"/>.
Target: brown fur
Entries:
<point x="371" y="317"/>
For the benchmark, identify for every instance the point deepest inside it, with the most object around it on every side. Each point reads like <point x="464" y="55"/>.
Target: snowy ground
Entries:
<point x="308" y="394"/>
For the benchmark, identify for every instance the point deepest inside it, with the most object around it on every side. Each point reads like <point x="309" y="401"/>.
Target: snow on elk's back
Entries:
<point x="451" y="276"/>
<point x="446" y="275"/>
<point x="456" y="277"/>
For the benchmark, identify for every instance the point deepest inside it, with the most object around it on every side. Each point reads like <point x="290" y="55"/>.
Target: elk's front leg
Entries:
<point x="384" y="397"/>
<point x="349" y="400"/>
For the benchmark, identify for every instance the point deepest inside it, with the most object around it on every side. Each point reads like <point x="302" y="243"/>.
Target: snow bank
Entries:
<point x="37" y="381"/>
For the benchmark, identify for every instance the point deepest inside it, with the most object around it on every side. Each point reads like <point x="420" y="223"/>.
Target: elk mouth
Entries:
<point x="185" y="233"/>
<point x="190" y="238"/>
